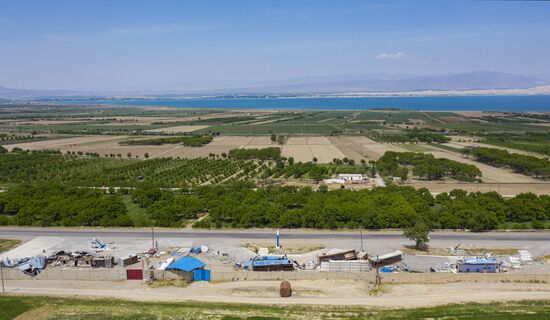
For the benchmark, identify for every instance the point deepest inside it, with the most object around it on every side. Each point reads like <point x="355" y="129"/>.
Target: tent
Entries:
<point x="187" y="264"/>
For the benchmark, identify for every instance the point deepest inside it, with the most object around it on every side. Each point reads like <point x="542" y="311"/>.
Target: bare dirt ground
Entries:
<point x="304" y="149"/>
<point x="318" y="292"/>
<point x="490" y="174"/>
<point x="358" y="148"/>
<point x="460" y="145"/>
<point x="62" y="143"/>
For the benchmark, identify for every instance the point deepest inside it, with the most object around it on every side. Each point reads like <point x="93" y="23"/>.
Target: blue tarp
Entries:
<point x="187" y="264"/>
<point x="480" y="261"/>
<point x="195" y="250"/>
<point x="271" y="262"/>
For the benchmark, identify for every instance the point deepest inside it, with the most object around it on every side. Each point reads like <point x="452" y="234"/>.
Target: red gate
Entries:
<point x="134" y="274"/>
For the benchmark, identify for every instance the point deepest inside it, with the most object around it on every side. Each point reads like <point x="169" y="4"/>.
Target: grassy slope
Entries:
<point x="8" y="244"/>
<point x="75" y="309"/>
<point x="137" y="214"/>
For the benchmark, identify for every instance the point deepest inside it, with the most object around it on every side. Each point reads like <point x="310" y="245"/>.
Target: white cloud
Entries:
<point x="393" y="56"/>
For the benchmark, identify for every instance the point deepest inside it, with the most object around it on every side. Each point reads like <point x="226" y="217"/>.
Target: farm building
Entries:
<point x="189" y="268"/>
<point x="483" y="265"/>
<point x="351" y="177"/>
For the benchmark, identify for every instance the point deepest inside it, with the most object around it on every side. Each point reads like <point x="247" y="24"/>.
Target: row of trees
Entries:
<point x="524" y="164"/>
<point x="190" y="141"/>
<point x="58" y="205"/>
<point x="76" y="170"/>
<point x="270" y="153"/>
<point x="425" y="166"/>
<point x="537" y="142"/>
<point x="243" y="205"/>
<point x="413" y="136"/>
<point x="389" y="207"/>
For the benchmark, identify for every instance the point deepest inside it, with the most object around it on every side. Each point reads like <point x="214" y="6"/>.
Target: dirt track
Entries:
<point x="320" y="292"/>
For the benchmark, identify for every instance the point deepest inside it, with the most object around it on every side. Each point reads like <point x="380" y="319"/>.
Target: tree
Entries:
<point x="273" y="137"/>
<point x="290" y="160"/>
<point x="315" y="159"/>
<point x="146" y="155"/>
<point x="419" y="233"/>
<point x="129" y="154"/>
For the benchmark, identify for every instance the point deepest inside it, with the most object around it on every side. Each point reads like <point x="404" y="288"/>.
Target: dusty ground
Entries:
<point x="490" y="174"/>
<point x="306" y="148"/>
<point x="319" y="292"/>
<point x="460" y="145"/>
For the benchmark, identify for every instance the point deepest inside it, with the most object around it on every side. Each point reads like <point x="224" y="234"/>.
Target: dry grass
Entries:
<point x="8" y="244"/>
<point x="168" y="283"/>
<point x="288" y="248"/>
<point x="467" y="251"/>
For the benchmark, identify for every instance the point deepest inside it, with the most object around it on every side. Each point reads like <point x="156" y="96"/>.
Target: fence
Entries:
<point x="115" y="274"/>
<point x="386" y="277"/>
<point x="99" y="274"/>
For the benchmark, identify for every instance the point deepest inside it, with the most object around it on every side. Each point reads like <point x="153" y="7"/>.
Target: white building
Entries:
<point x="352" y="177"/>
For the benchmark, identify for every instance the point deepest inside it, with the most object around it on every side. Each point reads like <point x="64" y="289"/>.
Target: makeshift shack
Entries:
<point x="479" y="264"/>
<point x="189" y="269"/>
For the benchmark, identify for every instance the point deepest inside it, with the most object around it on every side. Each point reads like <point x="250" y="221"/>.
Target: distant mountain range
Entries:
<point x="344" y="84"/>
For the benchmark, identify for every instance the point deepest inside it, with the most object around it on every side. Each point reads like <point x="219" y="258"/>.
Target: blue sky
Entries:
<point x="120" y="45"/>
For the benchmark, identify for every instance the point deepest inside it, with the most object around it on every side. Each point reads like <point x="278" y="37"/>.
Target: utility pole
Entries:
<point x="361" y="234"/>
<point x="153" y="237"/>
<point x="2" y="276"/>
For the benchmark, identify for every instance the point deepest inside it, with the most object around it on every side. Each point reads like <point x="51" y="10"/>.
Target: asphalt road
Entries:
<point x="262" y="234"/>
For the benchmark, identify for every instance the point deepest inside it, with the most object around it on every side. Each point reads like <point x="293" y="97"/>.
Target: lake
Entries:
<point x="445" y="103"/>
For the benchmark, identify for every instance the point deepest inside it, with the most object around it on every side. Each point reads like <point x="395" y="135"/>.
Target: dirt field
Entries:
<point x="318" y="292"/>
<point x="460" y="145"/>
<point x="306" y="148"/>
<point x="490" y="174"/>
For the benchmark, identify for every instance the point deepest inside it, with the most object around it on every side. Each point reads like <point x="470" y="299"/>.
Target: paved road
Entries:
<point x="262" y="234"/>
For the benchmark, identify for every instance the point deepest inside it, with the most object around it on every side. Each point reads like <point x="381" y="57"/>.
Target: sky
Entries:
<point x="165" y="45"/>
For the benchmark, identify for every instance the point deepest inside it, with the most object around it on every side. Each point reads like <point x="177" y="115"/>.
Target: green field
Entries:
<point x="75" y="309"/>
<point x="265" y="129"/>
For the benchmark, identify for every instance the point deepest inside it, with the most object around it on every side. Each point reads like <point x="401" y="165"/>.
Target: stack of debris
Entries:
<point x="349" y="260"/>
<point x="31" y="266"/>
<point x="81" y="259"/>
<point x="71" y="259"/>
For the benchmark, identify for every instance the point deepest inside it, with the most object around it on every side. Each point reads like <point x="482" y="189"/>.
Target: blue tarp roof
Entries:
<point x="270" y="262"/>
<point x="480" y="261"/>
<point x="187" y="264"/>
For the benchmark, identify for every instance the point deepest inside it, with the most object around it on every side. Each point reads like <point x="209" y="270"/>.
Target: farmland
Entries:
<point x="125" y="136"/>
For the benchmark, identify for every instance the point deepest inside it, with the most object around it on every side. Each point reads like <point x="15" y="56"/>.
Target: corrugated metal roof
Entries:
<point x="187" y="264"/>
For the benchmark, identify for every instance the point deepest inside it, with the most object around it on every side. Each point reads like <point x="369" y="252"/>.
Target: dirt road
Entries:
<point x="322" y="292"/>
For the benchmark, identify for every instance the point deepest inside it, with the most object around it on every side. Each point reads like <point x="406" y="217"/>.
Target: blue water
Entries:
<point x="461" y="103"/>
